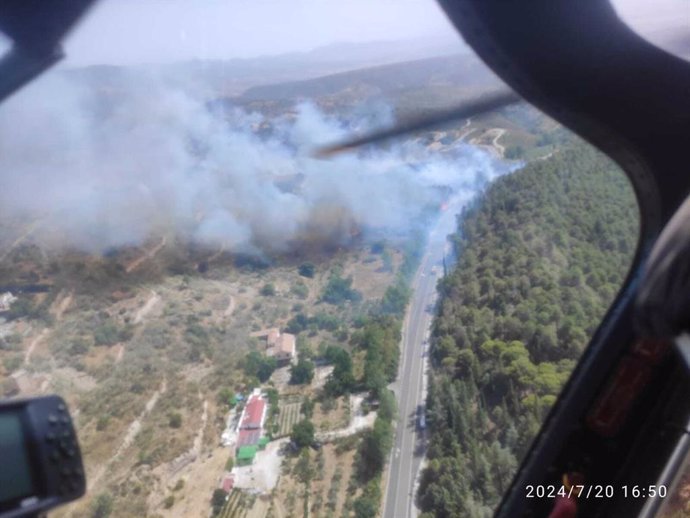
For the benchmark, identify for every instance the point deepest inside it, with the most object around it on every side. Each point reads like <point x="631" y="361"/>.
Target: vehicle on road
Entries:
<point x="421" y="417"/>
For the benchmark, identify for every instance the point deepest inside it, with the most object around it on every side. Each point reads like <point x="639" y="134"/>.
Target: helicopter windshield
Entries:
<point x="244" y="327"/>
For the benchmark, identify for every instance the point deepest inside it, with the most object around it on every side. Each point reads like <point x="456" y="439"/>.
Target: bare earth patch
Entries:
<point x="262" y="476"/>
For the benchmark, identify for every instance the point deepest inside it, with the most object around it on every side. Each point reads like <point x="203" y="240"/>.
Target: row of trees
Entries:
<point x="540" y="257"/>
<point x="380" y="338"/>
<point x="373" y="452"/>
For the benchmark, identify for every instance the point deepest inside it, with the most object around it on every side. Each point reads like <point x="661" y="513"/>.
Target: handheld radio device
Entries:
<point x="40" y="461"/>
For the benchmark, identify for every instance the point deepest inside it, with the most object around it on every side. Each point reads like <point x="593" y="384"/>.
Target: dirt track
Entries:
<point x="29" y="351"/>
<point x="132" y="432"/>
<point x="148" y="255"/>
<point x="147" y="307"/>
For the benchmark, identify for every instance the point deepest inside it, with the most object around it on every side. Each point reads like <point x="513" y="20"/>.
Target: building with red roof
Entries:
<point x="228" y="482"/>
<point x="250" y="428"/>
<point x="248" y="437"/>
<point x="254" y="413"/>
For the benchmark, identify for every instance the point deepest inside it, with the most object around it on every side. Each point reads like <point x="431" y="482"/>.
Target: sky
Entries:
<point x="127" y="32"/>
<point x="158" y="31"/>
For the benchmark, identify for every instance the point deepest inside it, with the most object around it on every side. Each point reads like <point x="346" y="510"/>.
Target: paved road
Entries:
<point x="410" y="388"/>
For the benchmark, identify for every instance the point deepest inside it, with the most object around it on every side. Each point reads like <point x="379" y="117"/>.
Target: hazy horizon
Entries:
<point x="131" y="32"/>
<point x="408" y="49"/>
<point x="145" y="32"/>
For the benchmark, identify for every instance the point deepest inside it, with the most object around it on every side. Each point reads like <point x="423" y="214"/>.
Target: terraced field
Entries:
<point x="237" y="505"/>
<point x="288" y="416"/>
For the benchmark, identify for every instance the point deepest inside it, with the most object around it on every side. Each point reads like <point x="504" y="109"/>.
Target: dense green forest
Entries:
<point x="540" y="257"/>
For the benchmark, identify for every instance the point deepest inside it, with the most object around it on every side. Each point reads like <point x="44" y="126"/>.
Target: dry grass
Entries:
<point x="200" y="479"/>
<point x="369" y="275"/>
<point x="328" y="490"/>
<point x="331" y="414"/>
<point x="112" y="383"/>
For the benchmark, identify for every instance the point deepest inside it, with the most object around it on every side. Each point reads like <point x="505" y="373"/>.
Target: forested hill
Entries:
<point x="541" y="256"/>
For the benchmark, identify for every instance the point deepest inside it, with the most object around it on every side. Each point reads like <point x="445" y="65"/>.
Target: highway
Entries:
<point x="410" y="388"/>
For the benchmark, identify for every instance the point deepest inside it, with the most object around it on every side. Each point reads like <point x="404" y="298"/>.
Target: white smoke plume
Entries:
<point x="102" y="169"/>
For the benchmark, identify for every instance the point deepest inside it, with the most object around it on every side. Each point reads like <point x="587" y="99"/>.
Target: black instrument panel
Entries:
<point x="584" y="67"/>
<point x="41" y="460"/>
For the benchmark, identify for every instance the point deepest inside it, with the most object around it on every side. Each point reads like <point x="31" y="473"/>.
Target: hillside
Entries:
<point x="541" y="255"/>
<point x="412" y="87"/>
<point x="234" y="76"/>
<point x="155" y="341"/>
<point x="150" y="332"/>
<point x="462" y="70"/>
<point x="407" y="90"/>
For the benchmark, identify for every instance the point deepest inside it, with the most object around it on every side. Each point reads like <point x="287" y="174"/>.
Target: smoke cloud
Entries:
<point x="101" y="169"/>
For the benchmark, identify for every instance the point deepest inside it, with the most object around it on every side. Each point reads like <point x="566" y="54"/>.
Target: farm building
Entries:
<point x="248" y="437"/>
<point x="283" y="349"/>
<point x="254" y="413"/>
<point x="281" y="346"/>
<point x="228" y="482"/>
<point x="250" y="429"/>
<point x="245" y="455"/>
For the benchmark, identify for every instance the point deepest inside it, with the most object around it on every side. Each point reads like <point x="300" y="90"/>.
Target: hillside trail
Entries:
<point x="495" y="147"/>
<point x="465" y="130"/>
<point x="499" y="147"/>
<point x="147" y="307"/>
<point x="231" y="307"/>
<point x="199" y="439"/>
<point x="29" y="230"/>
<point x="45" y="384"/>
<point x="185" y="461"/>
<point x="58" y="309"/>
<point x="30" y="350"/>
<point x="216" y="255"/>
<point x="62" y="303"/>
<point x="194" y="452"/>
<point x="146" y="256"/>
<point x="131" y="434"/>
<point x="138" y="319"/>
<point x="120" y="353"/>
